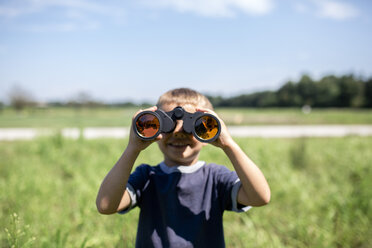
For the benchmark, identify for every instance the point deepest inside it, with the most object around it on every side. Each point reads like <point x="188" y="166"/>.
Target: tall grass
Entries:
<point x="116" y="117"/>
<point x="321" y="193"/>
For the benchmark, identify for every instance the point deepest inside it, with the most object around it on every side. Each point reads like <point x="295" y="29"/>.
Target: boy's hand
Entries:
<point x="254" y="190"/>
<point x="135" y="142"/>
<point x="224" y="139"/>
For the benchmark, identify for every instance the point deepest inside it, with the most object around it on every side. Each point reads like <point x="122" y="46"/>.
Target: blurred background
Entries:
<point x="120" y="51"/>
<point x="70" y="65"/>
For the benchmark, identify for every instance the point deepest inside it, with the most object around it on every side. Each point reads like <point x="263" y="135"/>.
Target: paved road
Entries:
<point x="238" y="131"/>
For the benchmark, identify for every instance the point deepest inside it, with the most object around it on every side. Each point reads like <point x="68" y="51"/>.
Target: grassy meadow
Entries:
<point x="321" y="193"/>
<point x="321" y="187"/>
<point x="118" y="117"/>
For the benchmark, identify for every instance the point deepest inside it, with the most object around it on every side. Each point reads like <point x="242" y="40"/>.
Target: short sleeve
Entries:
<point x="133" y="199"/>
<point x="228" y="188"/>
<point x="236" y="207"/>
<point x="136" y="182"/>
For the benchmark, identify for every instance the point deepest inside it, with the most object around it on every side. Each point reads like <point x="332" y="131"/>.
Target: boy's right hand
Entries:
<point x="135" y="142"/>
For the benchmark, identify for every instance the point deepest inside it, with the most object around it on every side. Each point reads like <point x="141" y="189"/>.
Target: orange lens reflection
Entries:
<point x="147" y="125"/>
<point x="206" y="127"/>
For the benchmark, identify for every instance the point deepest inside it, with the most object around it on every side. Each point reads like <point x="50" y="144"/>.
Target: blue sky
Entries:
<point x="135" y="50"/>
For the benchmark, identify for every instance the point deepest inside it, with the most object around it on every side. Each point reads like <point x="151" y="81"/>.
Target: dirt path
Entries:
<point x="237" y="131"/>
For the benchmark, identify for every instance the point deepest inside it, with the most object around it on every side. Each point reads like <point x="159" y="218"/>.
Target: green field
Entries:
<point x="321" y="193"/>
<point x="119" y="117"/>
<point x="67" y="117"/>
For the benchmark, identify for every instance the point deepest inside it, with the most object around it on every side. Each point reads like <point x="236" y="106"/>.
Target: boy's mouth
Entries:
<point x="177" y="145"/>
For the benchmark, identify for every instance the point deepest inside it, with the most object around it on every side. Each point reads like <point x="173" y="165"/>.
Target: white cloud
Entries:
<point x="63" y="27"/>
<point x="216" y="8"/>
<point x="9" y="12"/>
<point x="301" y="7"/>
<point x="72" y="14"/>
<point x="336" y="10"/>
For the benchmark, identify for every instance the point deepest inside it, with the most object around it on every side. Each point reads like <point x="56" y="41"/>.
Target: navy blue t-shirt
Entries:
<point x="182" y="206"/>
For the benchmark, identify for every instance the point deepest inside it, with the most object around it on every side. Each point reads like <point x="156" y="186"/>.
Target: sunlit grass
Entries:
<point x="321" y="193"/>
<point x="121" y="117"/>
<point x="67" y="117"/>
<point x="294" y="116"/>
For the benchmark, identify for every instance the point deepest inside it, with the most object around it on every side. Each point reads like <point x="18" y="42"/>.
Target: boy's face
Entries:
<point x="179" y="147"/>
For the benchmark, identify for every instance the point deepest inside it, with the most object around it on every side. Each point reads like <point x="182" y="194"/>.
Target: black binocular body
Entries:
<point x="149" y="124"/>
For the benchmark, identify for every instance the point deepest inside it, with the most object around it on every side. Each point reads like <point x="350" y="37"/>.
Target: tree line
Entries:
<point x="345" y="91"/>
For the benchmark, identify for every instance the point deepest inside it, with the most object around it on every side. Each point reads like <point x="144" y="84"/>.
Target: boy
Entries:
<point x="182" y="199"/>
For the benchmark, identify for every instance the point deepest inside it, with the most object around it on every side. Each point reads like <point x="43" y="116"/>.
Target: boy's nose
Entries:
<point x="178" y="130"/>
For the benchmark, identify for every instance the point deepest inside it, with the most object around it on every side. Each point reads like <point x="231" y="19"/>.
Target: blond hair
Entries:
<point x="183" y="96"/>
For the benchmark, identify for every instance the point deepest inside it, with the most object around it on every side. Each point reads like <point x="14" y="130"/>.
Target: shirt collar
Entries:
<point x="181" y="168"/>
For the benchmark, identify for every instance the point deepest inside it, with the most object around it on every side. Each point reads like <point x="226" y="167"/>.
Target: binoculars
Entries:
<point x="148" y="124"/>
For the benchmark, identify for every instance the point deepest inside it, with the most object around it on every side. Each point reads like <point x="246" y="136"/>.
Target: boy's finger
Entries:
<point x="205" y="110"/>
<point x="139" y="111"/>
<point x="202" y="109"/>
<point x="153" y="108"/>
<point x="159" y="137"/>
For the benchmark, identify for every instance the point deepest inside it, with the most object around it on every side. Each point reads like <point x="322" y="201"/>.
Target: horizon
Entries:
<point x="134" y="51"/>
<point x="86" y="98"/>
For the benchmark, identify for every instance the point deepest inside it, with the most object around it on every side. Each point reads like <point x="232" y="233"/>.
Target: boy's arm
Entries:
<point x="255" y="190"/>
<point x="112" y="195"/>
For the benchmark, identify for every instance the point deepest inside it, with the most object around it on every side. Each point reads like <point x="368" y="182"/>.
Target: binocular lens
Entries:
<point x="206" y="127"/>
<point x="147" y="125"/>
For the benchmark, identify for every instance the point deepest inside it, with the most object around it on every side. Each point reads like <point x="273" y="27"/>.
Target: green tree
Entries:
<point x="266" y="99"/>
<point x="327" y="92"/>
<point x="368" y="93"/>
<point x="288" y="96"/>
<point x="20" y="98"/>
<point x="351" y="92"/>
<point x="306" y="90"/>
<point x="330" y="91"/>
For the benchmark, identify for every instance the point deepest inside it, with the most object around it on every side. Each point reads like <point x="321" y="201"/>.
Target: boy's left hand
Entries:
<point x="224" y="139"/>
